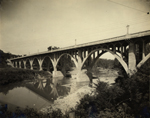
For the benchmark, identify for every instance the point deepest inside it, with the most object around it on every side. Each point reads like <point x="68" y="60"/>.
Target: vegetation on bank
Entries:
<point x="127" y="98"/>
<point x="12" y="75"/>
<point x="29" y="113"/>
<point x="3" y="58"/>
<point x="108" y="64"/>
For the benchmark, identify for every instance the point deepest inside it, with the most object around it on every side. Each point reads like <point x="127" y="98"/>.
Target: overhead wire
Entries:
<point x="110" y="25"/>
<point x="105" y="29"/>
<point x="104" y="26"/>
<point x="113" y="29"/>
<point x="128" y="6"/>
<point x="101" y="30"/>
<point x="133" y="22"/>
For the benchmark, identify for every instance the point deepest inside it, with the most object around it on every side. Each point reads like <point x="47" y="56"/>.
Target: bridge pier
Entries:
<point x="79" y="60"/>
<point x="16" y="64"/>
<point x="79" y="63"/>
<point x="81" y="74"/>
<point x="24" y="63"/>
<point x="131" y="59"/>
<point x="40" y="66"/>
<point x="31" y="64"/>
<point x="20" y="64"/>
<point x="55" y="72"/>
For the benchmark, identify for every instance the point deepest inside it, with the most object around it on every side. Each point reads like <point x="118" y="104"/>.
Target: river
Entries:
<point x="40" y="93"/>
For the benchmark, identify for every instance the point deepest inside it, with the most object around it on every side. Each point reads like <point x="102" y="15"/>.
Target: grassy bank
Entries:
<point x="12" y="75"/>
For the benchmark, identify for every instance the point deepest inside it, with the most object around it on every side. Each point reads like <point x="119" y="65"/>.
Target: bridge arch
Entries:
<point x="14" y="63"/>
<point x="122" y="62"/>
<point x="17" y="63"/>
<point x="28" y="65"/>
<point x="75" y="62"/>
<point x="97" y="58"/>
<point x="143" y="60"/>
<point x="22" y="64"/>
<point x="50" y="60"/>
<point x="36" y="64"/>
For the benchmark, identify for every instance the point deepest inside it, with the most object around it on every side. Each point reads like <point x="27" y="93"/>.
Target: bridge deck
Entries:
<point x="109" y="40"/>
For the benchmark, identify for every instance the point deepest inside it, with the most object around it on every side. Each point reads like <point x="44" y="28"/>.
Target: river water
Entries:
<point x="38" y="93"/>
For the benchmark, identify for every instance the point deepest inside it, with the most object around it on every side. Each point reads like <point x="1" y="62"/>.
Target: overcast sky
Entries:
<point x="29" y="26"/>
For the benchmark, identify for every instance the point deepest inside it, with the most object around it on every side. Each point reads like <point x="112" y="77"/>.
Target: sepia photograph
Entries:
<point x="74" y="59"/>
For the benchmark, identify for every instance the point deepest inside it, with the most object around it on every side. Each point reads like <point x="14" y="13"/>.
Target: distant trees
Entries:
<point x="4" y="56"/>
<point x="52" y="48"/>
<point x="108" y="64"/>
<point x="65" y="64"/>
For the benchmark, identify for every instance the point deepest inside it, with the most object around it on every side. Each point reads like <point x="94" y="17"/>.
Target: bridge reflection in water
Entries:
<point x="48" y="88"/>
<point x="38" y="93"/>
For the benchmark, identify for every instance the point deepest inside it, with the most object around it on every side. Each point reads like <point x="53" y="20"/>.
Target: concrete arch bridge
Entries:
<point x="129" y="50"/>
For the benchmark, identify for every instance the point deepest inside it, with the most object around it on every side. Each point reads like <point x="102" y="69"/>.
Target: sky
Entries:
<point x="30" y="26"/>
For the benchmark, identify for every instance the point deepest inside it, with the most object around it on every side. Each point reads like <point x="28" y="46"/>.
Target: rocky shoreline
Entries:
<point x="68" y="102"/>
<point x="74" y="97"/>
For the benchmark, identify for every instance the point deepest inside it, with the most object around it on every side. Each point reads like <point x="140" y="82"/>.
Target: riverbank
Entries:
<point x="107" y="75"/>
<point x="65" y="104"/>
<point x="12" y="75"/>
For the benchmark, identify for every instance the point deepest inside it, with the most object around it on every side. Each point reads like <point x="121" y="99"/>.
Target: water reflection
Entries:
<point x="5" y="89"/>
<point x="49" y="88"/>
<point x="37" y="93"/>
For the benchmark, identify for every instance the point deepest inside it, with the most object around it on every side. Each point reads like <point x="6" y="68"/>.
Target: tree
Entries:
<point x="52" y="48"/>
<point x="4" y="56"/>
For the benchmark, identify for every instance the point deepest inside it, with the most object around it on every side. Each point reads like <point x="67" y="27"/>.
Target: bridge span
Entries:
<point x="129" y="50"/>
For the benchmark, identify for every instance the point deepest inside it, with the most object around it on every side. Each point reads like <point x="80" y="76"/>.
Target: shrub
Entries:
<point x="12" y="75"/>
<point x="30" y="113"/>
<point x="128" y="98"/>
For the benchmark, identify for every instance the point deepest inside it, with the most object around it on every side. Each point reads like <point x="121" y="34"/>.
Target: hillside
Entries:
<point x="3" y="58"/>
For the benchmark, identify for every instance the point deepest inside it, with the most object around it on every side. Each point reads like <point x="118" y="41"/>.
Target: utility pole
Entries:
<point x="75" y="41"/>
<point x="127" y="29"/>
